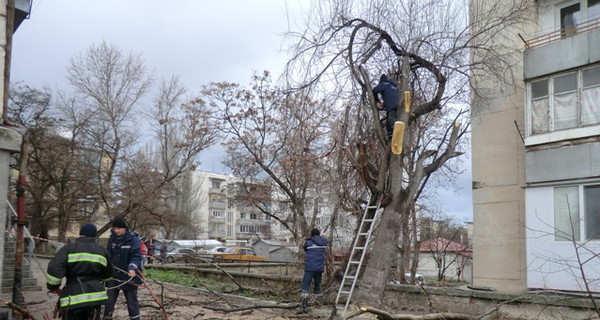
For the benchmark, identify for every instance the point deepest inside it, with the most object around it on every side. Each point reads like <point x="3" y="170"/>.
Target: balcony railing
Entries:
<point x="557" y="35"/>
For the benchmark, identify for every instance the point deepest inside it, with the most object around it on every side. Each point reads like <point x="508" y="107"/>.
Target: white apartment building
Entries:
<point x="536" y="190"/>
<point x="224" y="212"/>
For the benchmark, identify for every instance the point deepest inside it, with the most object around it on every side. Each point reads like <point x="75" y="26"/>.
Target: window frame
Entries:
<point x="583" y="8"/>
<point x="583" y="216"/>
<point x="564" y="5"/>
<point x="579" y="131"/>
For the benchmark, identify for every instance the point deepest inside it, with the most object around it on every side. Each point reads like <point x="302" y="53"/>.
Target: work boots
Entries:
<point x="304" y="304"/>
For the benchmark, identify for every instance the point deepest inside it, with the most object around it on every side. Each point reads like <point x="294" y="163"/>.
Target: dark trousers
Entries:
<point x="89" y="313"/>
<point x="311" y="276"/>
<point x="392" y="117"/>
<point x="133" y="306"/>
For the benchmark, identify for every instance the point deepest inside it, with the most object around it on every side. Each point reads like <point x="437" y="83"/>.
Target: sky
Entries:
<point x="201" y="41"/>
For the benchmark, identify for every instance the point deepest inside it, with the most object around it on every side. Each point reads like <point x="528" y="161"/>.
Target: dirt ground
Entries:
<point x="181" y="303"/>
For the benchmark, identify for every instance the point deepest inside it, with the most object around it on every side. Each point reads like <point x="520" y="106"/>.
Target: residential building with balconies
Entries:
<point x="536" y="152"/>
<point x="215" y="219"/>
<point x="249" y="200"/>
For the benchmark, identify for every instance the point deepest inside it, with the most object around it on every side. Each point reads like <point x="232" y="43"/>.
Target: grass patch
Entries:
<point x="191" y="280"/>
<point x="187" y="279"/>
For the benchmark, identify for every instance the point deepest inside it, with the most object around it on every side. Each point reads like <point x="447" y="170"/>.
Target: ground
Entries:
<point x="181" y="303"/>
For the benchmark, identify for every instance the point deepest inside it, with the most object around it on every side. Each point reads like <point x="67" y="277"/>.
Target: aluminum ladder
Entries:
<point x="357" y="256"/>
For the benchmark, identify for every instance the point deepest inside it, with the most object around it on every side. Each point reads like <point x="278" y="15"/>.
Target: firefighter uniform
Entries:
<point x="86" y="265"/>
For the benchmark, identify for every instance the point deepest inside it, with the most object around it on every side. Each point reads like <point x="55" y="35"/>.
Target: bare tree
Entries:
<point x="108" y="87"/>
<point x="60" y="183"/>
<point x="446" y="242"/>
<point x="426" y="46"/>
<point x="283" y="138"/>
<point x="158" y="187"/>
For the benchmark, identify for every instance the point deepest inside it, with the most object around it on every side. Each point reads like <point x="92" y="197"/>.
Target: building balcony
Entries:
<point x="562" y="49"/>
<point x="216" y="191"/>
<point x="216" y="219"/>
<point x="253" y="221"/>
<point x="557" y="35"/>
<point x="217" y="205"/>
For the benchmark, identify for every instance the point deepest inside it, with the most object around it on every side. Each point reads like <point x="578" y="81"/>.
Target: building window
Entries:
<point x="574" y="205"/>
<point x="229" y="216"/>
<point x="218" y="213"/>
<point x="566" y="214"/>
<point x="593" y="9"/>
<point x="569" y="17"/>
<point x="590" y="96"/>
<point x="216" y="184"/>
<point x="249" y="229"/>
<point x="565" y="101"/>
<point x="229" y="231"/>
<point x="253" y="216"/>
<point x="242" y="215"/>
<point x="576" y="15"/>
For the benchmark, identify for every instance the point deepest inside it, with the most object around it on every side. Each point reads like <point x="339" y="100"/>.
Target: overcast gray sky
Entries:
<point x="199" y="40"/>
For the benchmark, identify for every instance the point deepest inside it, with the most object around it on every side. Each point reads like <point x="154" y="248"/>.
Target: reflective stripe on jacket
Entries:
<point x="85" y="264"/>
<point x="125" y="254"/>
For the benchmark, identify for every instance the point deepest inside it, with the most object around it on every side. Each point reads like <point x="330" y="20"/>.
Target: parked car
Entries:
<point x="238" y="254"/>
<point x="216" y="250"/>
<point x="185" y="255"/>
<point x="420" y="280"/>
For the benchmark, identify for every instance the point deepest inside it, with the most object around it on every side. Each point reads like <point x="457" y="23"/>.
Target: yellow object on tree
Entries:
<point x="398" y="137"/>
<point x="407" y="101"/>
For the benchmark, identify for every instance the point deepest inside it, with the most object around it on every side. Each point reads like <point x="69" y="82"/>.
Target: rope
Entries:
<point x="125" y="282"/>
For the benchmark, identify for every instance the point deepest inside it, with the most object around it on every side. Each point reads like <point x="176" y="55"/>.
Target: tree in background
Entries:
<point x="446" y="241"/>
<point x="60" y="183"/>
<point x="279" y="139"/>
<point x="86" y="164"/>
<point x="157" y="185"/>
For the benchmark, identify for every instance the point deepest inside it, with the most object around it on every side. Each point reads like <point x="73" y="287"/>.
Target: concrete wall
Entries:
<point x="498" y="156"/>
<point x="498" y="200"/>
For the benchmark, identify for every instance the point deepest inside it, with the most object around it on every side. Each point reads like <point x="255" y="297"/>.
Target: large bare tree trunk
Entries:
<point x="377" y="271"/>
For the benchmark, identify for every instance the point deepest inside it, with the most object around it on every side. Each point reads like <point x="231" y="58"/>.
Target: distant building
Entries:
<point x="284" y="254"/>
<point x="439" y="255"/>
<point x="228" y="207"/>
<point x="265" y="247"/>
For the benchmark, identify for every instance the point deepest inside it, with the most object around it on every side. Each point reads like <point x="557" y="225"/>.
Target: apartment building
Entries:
<point x="228" y="207"/>
<point x="536" y="152"/>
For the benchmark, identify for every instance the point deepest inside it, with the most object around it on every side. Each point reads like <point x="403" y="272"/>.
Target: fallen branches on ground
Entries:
<point x="384" y="315"/>
<point x="254" y="307"/>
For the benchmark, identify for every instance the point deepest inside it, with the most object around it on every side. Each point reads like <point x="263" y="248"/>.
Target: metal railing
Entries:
<point x="564" y="33"/>
<point x="10" y="229"/>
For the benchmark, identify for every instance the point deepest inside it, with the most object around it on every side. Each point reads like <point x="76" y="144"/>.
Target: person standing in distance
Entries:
<point x="314" y="264"/>
<point x="86" y="265"/>
<point x="125" y="254"/>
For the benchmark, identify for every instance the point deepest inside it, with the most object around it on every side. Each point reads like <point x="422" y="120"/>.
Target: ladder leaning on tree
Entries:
<point x="357" y="256"/>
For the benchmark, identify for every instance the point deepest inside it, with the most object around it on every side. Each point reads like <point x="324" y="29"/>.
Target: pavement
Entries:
<point x="39" y="303"/>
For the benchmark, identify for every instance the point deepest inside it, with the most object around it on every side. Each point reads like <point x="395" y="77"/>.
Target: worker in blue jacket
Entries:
<point x="388" y="89"/>
<point x="314" y="264"/>
<point x="86" y="266"/>
<point x="125" y="254"/>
